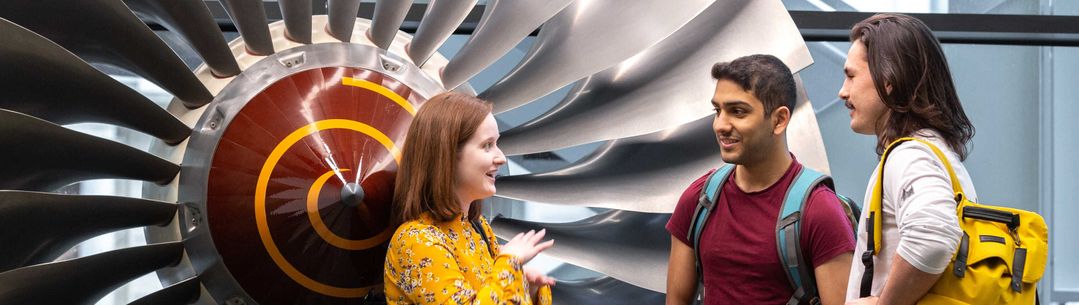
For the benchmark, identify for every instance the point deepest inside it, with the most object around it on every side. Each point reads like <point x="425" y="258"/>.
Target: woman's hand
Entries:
<point x="536" y="279"/>
<point x="524" y="247"/>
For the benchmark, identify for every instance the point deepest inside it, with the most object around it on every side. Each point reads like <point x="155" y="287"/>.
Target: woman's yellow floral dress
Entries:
<point x="448" y="263"/>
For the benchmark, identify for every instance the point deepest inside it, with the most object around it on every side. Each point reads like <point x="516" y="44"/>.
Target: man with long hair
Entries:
<point x="898" y="85"/>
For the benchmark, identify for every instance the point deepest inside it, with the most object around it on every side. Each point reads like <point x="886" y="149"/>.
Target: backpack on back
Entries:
<point x="788" y="227"/>
<point x="1001" y="256"/>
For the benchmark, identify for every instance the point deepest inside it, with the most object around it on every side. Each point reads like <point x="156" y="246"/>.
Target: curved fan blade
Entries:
<point x="51" y="156"/>
<point x="250" y="20"/>
<point x="342" y="18"/>
<point x="39" y="227"/>
<point x="297" y="15"/>
<point x="669" y="84"/>
<point x="105" y="31"/>
<point x="84" y="280"/>
<point x="438" y="23"/>
<point x="586" y="37"/>
<point x="182" y="293"/>
<point x="387" y="19"/>
<point x="192" y="20"/>
<point x="603" y="291"/>
<point x="44" y="80"/>
<point x="649" y="172"/>
<point x="504" y="24"/>
<point x="641" y="259"/>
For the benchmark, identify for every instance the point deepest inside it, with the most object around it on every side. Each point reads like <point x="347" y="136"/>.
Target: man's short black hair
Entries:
<point x="765" y="76"/>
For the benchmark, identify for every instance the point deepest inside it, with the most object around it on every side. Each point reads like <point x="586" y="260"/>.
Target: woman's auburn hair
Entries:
<point x="425" y="177"/>
<point x="904" y="54"/>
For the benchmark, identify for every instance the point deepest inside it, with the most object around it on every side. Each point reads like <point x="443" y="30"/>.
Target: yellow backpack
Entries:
<point x="1000" y="258"/>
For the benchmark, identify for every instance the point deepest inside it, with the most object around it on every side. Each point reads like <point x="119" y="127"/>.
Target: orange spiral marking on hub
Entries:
<point x="396" y="98"/>
<point x="260" y="201"/>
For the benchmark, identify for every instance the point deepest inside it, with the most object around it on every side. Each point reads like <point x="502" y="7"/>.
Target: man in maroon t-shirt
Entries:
<point x="754" y="98"/>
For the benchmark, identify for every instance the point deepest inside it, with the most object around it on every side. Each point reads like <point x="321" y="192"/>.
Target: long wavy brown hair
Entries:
<point x="425" y="177"/>
<point x="904" y="54"/>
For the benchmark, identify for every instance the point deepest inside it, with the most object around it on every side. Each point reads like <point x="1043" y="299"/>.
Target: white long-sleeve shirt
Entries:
<point x="919" y="219"/>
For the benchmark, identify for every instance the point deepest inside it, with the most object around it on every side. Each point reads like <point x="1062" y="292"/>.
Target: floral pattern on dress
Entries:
<point x="431" y="262"/>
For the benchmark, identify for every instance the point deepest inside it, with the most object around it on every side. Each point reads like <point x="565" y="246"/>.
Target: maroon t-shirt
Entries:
<point x="739" y="255"/>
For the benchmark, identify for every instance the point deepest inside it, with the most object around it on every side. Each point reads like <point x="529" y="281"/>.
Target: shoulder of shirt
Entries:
<point x="697" y="185"/>
<point x="821" y="193"/>
<point x="690" y="195"/>
<point x="901" y="158"/>
<point x="821" y="188"/>
<point x="417" y="228"/>
<point x="910" y="151"/>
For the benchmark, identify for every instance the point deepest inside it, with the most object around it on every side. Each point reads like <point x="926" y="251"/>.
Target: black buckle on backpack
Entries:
<point x="960" y="265"/>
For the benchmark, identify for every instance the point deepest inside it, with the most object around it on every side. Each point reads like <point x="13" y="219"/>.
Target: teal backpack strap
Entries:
<point x="708" y="198"/>
<point x="788" y="237"/>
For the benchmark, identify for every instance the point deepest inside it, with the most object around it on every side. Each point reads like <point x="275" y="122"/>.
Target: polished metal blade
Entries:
<point x="49" y="156"/>
<point x="585" y="38"/>
<point x="107" y="32"/>
<point x="603" y="291"/>
<point x="182" y="293"/>
<point x="83" y="281"/>
<point x="342" y="18"/>
<point x="503" y="25"/>
<point x="648" y="173"/>
<point x="804" y="138"/>
<point x="39" y="227"/>
<point x="297" y="16"/>
<point x="641" y="244"/>
<point x="42" y="79"/>
<point x="250" y="19"/>
<point x="645" y="173"/>
<point x="387" y="20"/>
<point x="441" y="18"/>
<point x="192" y="20"/>
<point x="665" y="86"/>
